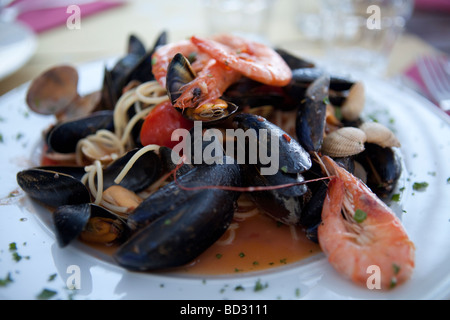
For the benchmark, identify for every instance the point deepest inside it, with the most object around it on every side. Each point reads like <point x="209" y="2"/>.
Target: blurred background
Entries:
<point x="104" y="27"/>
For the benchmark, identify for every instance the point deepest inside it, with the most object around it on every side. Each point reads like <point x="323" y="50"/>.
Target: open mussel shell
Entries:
<point x="311" y="115"/>
<point x="64" y="137"/>
<point x="53" y="188"/>
<point x="292" y="157"/>
<point x="71" y="221"/>
<point x="180" y="73"/>
<point x="146" y="170"/>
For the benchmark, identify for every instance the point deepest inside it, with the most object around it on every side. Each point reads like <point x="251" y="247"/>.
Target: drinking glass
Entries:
<point x="360" y="34"/>
<point x="248" y="18"/>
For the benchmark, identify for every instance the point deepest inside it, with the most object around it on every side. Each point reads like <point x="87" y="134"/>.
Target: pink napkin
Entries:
<point x="45" y="19"/>
<point x="432" y="5"/>
<point x="413" y="74"/>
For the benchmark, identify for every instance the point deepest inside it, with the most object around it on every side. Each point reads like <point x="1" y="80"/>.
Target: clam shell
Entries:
<point x="380" y="134"/>
<point x="354" y="104"/>
<point x="344" y="142"/>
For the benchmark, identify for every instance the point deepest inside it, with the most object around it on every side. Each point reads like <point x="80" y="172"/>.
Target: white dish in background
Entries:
<point x="17" y="45"/>
<point x="425" y="138"/>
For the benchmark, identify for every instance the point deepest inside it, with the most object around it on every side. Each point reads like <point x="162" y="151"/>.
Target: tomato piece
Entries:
<point x="160" y="123"/>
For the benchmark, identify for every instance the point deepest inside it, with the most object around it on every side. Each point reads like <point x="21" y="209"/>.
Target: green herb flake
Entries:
<point x="7" y="280"/>
<point x="16" y="257"/>
<point x="52" y="277"/>
<point x="19" y="136"/>
<point x="338" y="113"/>
<point x="12" y="246"/>
<point x="46" y="294"/>
<point x="219" y="255"/>
<point x="284" y="169"/>
<point x="255" y="263"/>
<point x="448" y="180"/>
<point x="360" y="216"/>
<point x="393" y="283"/>
<point x="283" y="261"/>
<point x="259" y="286"/>
<point x="1" y="138"/>
<point x="326" y="100"/>
<point x="154" y="61"/>
<point x="297" y="292"/>
<point x="241" y="254"/>
<point x="396" y="268"/>
<point x="395" y="197"/>
<point x="420" y="186"/>
<point x="239" y="288"/>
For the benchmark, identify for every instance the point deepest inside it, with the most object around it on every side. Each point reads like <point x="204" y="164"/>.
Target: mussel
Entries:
<point x="311" y="115"/>
<point x="180" y="73"/>
<point x="90" y="223"/>
<point x="53" y="188"/>
<point x="175" y="224"/>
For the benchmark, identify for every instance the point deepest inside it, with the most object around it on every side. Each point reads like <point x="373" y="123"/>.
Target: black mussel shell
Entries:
<point x="63" y="138"/>
<point x="146" y="170"/>
<point x="70" y="221"/>
<point x="311" y="115"/>
<point x="53" y="188"/>
<point x="383" y="167"/>
<point x="292" y="156"/>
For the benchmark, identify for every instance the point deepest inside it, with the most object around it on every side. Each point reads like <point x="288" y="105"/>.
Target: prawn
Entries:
<point x="372" y="237"/>
<point x="208" y="86"/>
<point x="164" y="54"/>
<point x="254" y="60"/>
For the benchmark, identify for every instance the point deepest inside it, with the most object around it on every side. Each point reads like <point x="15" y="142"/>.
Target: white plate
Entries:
<point x="425" y="138"/>
<point x="17" y="45"/>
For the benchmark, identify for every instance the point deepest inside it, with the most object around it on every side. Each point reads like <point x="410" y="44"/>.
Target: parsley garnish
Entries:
<point x="396" y="197"/>
<point x="241" y="254"/>
<point x="360" y="215"/>
<point x="259" y="286"/>
<point x="6" y="281"/>
<point x="420" y="186"/>
<point x="46" y="294"/>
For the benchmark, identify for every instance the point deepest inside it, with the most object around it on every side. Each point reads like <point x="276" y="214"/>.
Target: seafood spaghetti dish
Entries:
<point x="218" y="155"/>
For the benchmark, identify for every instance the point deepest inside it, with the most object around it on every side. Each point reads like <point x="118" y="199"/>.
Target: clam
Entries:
<point x="379" y="134"/>
<point x="354" y="103"/>
<point x="344" y="142"/>
<point x="55" y="92"/>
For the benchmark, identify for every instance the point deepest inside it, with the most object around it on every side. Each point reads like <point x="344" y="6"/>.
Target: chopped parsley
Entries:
<point x="448" y="180"/>
<point x="219" y="255"/>
<point x="7" y="280"/>
<point x="52" y="277"/>
<point x="241" y="254"/>
<point x="395" y="197"/>
<point x="420" y="186"/>
<point x="360" y="216"/>
<point x="239" y="288"/>
<point x="46" y="294"/>
<point x="259" y="286"/>
<point x="396" y="268"/>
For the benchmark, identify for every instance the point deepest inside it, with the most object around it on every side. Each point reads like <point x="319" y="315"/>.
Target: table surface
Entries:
<point x="105" y="35"/>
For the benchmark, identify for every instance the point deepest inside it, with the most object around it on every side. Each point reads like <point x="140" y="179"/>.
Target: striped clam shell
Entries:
<point x="344" y="142"/>
<point x="379" y="134"/>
